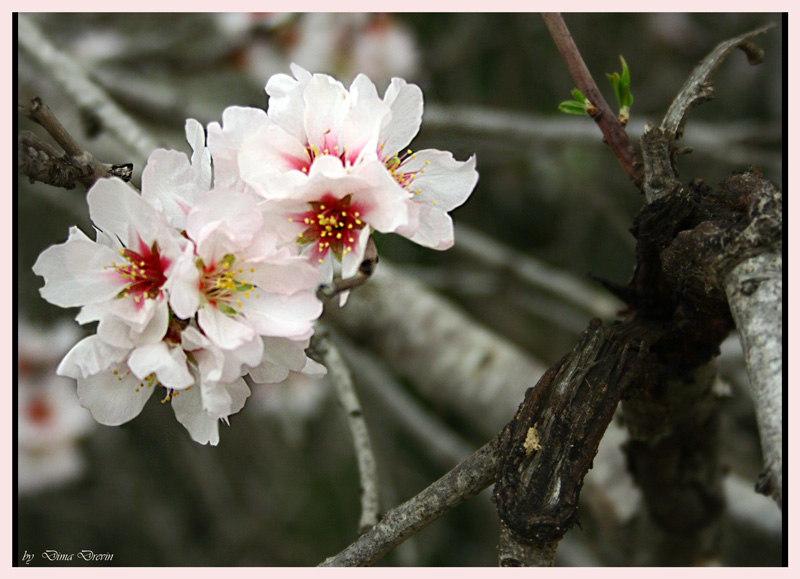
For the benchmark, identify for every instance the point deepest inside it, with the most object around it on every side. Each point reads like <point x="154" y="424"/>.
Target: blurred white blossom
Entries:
<point x="50" y="421"/>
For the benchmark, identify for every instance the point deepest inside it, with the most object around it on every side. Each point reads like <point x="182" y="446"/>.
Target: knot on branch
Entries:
<point x="741" y="218"/>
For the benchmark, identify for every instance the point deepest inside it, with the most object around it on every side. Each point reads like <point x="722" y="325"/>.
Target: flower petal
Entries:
<point x="223" y="330"/>
<point x="113" y="398"/>
<point x="446" y="181"/>
<point x="90" y="356"/>
<point x="225" y="141"/>
<point x="168" y="364"/>
<point x="75" y="272"/>
<point x="188" y="407"/>
<point x="406" y="104"/>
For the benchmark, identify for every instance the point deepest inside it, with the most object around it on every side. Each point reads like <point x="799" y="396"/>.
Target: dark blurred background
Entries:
<point x="281" y="487"/>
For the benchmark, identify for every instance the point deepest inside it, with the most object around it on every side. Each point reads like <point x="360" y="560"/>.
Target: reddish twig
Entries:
<point x="612" y="130"/>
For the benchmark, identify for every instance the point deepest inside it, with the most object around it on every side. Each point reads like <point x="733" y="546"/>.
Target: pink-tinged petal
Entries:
<point x="90" y="356"/>
<point x="114" y="397"/>
<point x="406" y="104"/>
<point x="360" y="130"/>
<point x="280" y="357"/>
<point x="384" y="203"/>
<point x="188" y="407"/>
<point x="224" y="331"/>
<point x="168" y="364"/>
<point x="117" y="208"/>
<point x="225" y="141"/>
<point x="283" y="316"/>
<point x="234" y="218"/>
<point x="220" y="400"/>
<point x="440" y="178"/>
<point x="327" y="105"/>
<point x="267" y="155"/>
<point x="77" y="272"/>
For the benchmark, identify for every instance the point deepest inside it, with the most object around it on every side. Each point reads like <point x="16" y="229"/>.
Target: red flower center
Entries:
<point x="144" y="271"/>
<point x="331" y="225"/>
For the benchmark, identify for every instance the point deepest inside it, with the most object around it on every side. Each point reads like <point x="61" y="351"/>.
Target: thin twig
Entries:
<point x="606" y="120"/>
<point x="463" y="482"/>
<point x="437" y="440"/>
<point x="339" y="374"/>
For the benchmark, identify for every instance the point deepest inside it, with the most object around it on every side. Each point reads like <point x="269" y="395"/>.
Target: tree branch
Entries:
<point x="450" y="359"/>
<point x="463" y="482"/>
<point x="658" y="144"/>
<point x="39" y="161"/>
<point x="323" y="349"/>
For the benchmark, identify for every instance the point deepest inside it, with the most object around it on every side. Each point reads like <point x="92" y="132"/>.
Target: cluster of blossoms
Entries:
<point x="208" y="276"/>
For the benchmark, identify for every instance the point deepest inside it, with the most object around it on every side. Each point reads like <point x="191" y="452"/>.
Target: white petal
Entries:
<point x="223" y="330"/>
<point x="314" y="369"/>
<point x="435" y="228"/>
<point x="266" y="156"/>
<point x="188" y="407"/>
<point x="445" y="180"/>
<point x="75" y="272"/>
<point x="286" y="104"/>
<point x="169" y="184"/>
<point x="405" y="101"/>
<point x="327" y="105"/>
<point x="116" y="208"/>
<point x="128" y="323"/>
<point x="280" y="357"/>
<point x="201" y="157"/>
<point x="90" y="356"/>
<point x="113" y="399"/>
<point x="225" y="141"/>
<point x="283" y="316"/>
<point x="351" y="261"/>
<point x="168" y="364"/>
<point x="362" y="88"/>
<point x="182" y="285"/>
<point x="221" y="400"/>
